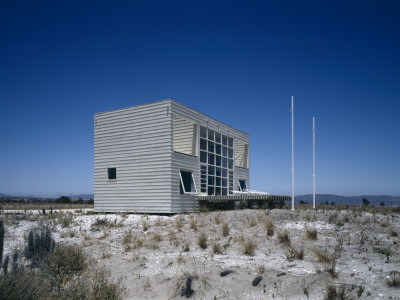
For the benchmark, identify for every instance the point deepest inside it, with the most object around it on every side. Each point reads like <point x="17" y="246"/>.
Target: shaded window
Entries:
<point x="187" y="185"/>
<point x="112" y="173"/>
<point x="241" y="154"/>
<point x="217" y="137"/>
<point x="203" y="144"/>
<point x="184" y="136"/>
<point x="203" y="132"/>
<point x="203" y="157"/>
<point x="242" y="185"/>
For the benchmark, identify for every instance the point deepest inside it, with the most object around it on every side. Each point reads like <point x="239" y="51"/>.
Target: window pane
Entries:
<point x="218" y="137"/>
<point x="230" y="164"/>
<point x="203" y="177"/>
<point x="224" y="173"/>
<point x="210" y="134"/>
<point x="211" y="170"/>
<point x="224" y="151"/>
<point x="224" y="182"/>
<point x="187" y="180"/>
<point x="210" y="190"/>
<point x="217" y="191"/>
<point x="230" y="153"/>
<point x="242" y="185"/>
<point x="225" y="162"/>
<point x="210" y="180"/>
<point x="218" y="160"/>
<point x="203" y="144"/>
<point x="224" y="192"/>
<point x="218" y="171"/>
<point x="210" y="158"/>
<point x="218" y="149"/>
<point x="218" y="181"/>
<point x="230" y="143"/>
<point x="224" y="140"/>
<point x="203" y="157"/>
<point x="112" y="173"/>
<point x="203" y="167"/>
<point x="211" y="147"/>
<point x="203" y="132"/>
<point x="204" y="190"/>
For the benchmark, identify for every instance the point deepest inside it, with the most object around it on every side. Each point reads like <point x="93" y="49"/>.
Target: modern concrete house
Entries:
<point x="161" y="157"/>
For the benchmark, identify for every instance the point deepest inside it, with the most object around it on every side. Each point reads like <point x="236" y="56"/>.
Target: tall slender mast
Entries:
<point x="292" y="111"/>
<point x="313" y="129"/>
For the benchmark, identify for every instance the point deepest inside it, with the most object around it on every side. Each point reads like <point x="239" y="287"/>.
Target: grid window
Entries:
<point x="216" y="158"/>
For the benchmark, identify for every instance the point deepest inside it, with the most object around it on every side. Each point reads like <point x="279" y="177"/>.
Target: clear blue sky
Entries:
<point x="237" y="61"/>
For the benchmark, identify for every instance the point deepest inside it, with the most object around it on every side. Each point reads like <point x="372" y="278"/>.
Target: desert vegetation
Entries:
<point x="334" y="252"/>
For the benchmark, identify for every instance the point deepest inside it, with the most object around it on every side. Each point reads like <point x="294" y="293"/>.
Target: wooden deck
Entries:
<point x="241" y="197"/>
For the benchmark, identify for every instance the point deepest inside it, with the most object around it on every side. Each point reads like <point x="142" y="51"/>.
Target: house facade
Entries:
<point x="160" y="157"/>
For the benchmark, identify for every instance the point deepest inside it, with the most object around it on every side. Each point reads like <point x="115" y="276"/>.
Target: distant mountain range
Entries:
<point x="73" y="197"/>
<point x="319" y="198"/>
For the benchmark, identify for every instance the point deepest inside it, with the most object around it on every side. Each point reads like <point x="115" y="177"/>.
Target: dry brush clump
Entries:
<point x="269" y="226"/>
<point x="283" y="237"/>
<point x="248" y="247"/>
<point x="56" y="271"/>
<point x="311" y="233"/>
<point x="393" y="279"/>
<point x="202" y="240"/>
<point x="225" y="229"/>
<point x="217" y="249"/>
<point x="294" y="253"/>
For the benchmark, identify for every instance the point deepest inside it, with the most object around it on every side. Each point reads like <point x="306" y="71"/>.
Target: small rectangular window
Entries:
<point x="112" y="173"/>
<point x="242" y="185"/>
<point x="187" y="185"/>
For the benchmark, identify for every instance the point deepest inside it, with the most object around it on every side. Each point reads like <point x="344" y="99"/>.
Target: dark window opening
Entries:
<point x="242" y="185"/>
<point x="112" y="173"/>
<point x="187" y="185"/>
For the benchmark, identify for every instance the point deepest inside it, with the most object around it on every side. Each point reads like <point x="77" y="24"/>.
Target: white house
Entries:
<point x="160" y="157"/>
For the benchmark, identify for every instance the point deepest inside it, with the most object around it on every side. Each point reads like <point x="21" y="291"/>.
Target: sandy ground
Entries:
<point x="155" y="255"/>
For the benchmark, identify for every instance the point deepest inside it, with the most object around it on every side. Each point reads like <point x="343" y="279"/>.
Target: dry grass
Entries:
<point x="292" y="253"/>
<point x="127" y="238"/>
<point x="225" y="229"/>
<point x="283" y="237"/>
<point x="323" y="256"/>
<point x="269" y="226"/>
<point x="217" y="249"/>
<point x="202" y="241"/>
<point x="311" y="233"/>
<point x="249" y="247"/>
<point x="193" y="224"/>
<point x="393" y="279"/>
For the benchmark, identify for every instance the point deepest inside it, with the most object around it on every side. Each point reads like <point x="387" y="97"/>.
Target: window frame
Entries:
<point x="108" y="174"/>
<point x="193" y="185"/>
<point x="240" y="186"/>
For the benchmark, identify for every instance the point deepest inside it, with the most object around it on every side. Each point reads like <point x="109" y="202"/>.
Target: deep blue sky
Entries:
<point x="237" y="61"/>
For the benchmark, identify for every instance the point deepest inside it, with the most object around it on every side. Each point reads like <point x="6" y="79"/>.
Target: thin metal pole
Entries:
<point x="292" y="111"/>
<point x="313" y="129"/>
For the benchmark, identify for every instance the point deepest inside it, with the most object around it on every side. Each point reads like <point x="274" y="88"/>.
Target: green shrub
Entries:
<point x="65" y="262"/>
